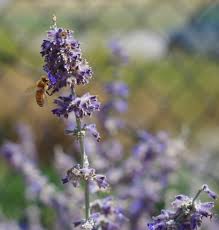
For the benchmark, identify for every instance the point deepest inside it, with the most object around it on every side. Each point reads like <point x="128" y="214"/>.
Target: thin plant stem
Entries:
<point x="192" y="206"/>
<point x="196" y="196"/>
<point x="84" y="162"/>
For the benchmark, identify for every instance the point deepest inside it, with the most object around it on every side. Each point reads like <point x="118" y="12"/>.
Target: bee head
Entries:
<point x="45" y="79"/>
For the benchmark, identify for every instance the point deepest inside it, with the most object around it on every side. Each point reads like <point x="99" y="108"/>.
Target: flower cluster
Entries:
<point x="143" y="177"/>
<point x="63" y="59"/>
<point x="32" y="219"/>
<point x="105" y="215"/>
<point x="140" y="179"/>
<point x="117" y="89"/>
<point x="210" y="193"/>
<point x="91" y="129"/>
<point x="81" y="106"/>
<point x="38" y="186"/>
<point x="110" y="216"/>
<point x="117" y="92"/>
<point x="118" y="52"/>
<point x="86" y="224"/>
<point x="65" y="67"/>
<point x="187" y="214"/>
<point x="77" y="174"/>
<point x="27" y="140"/>
<point x="8" y="224"/>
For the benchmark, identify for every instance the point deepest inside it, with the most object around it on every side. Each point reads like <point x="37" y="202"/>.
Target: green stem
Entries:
<point x="83" y="161"/>
<point x="196" y="196"/>
<point x="87" y="200"/>
<point x="81" y="141"/>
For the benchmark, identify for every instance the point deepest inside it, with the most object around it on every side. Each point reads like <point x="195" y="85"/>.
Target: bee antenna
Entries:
<point x="44" y="78"/>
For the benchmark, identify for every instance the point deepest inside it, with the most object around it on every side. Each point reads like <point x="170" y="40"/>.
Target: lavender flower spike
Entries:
<point x="65" y="67"/>
<point x="63" y="59"/>
<point x="117" y="89"/>
<point x="187" y="215"/>
<point x="81" y="106"/>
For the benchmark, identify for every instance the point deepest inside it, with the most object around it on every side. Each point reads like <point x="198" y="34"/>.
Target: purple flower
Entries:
<point x="181" y="200"/>
<point x="120" y="105"/>
<point x="210" y="193"/>
<point x="62" y="161"/>
<point x="112" y="124"/>
<point x="149" y="167"/>
<point x="117" y="89"/>
<point x="187" y="215"/>
<point x="149" y="147"/>
<point x="83" y="73"/>
<point x="37" y="186"/>
<point x="27" y="140"/>
<point x="88" y="224"/>
<point x="118" y="51"/>
<point x="63" y="106"/>
<point x="65" y="180"/>
<point x="81" y="106"/>
<point x="111" y="150"/>
<point x="101" y="181"/>
<point x="92" y="129"/>
<point x="204" y="208"/>
<point x="77" y="174"/>
<point x="144" y="135"/>
<point x="107" y="215"/>
<point x="63" y="59"/>
<point x="118" y="93"/>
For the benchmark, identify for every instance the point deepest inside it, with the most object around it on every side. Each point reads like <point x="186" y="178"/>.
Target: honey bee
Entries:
<point x="41" y="90"/>
<point x="42" y="87"/>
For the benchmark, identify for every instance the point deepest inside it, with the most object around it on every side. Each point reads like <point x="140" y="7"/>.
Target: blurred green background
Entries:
<point x="170" y="88"/>
<point x="177" y="89"/>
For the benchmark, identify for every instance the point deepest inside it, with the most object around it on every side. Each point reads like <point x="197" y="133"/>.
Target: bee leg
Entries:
<point x="49" y="93"/>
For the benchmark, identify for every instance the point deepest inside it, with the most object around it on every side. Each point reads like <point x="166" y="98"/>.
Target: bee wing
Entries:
<point x="30" y="90"/>
<point x="45" y="100"/>
<point x="46" y="103"/>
